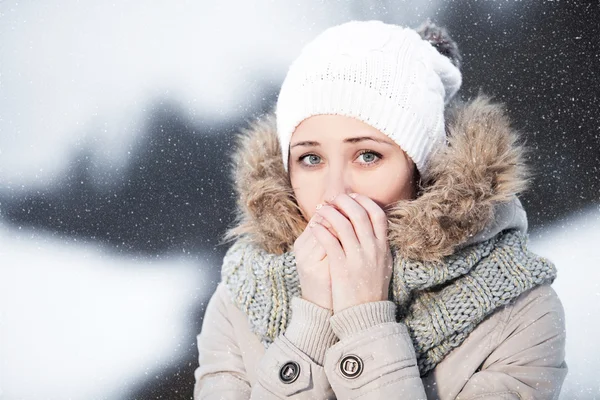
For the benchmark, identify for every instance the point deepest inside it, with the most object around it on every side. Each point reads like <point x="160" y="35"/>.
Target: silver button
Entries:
<point x="351" y="366"/>
<point x="289" y="372"/>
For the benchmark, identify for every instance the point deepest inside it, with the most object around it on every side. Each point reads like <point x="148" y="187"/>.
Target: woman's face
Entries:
<point x="331" y="154"/>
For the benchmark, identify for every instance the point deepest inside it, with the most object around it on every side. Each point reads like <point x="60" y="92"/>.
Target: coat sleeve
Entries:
<point x="528" y="359"/>
<point x="526" y="363"/>
<point x="374" y="357"/>
<point x="297" y="355"/>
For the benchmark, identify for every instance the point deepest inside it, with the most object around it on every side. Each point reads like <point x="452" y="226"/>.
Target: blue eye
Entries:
<point x="311" y="157"/>
<point x="370" y="159"/>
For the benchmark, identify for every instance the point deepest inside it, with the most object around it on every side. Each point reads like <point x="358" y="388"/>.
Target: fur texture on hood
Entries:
<point x="480" y="167"/>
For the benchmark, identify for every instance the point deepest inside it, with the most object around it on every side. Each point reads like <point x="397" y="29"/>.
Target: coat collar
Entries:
<point x="468" y="193"/>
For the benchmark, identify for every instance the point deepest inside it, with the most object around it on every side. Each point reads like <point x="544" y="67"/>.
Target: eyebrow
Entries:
<point x="348" y="140"/>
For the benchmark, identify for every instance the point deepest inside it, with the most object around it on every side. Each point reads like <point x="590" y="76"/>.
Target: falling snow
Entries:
<point x="115" y="128"/>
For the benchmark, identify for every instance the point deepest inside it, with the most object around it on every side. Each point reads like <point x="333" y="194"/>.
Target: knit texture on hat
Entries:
<point x="384" y="75"/>
<point x="440" y="302"/>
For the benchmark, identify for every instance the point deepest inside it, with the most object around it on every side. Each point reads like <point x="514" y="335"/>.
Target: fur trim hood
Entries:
<point x="467" y="186"/>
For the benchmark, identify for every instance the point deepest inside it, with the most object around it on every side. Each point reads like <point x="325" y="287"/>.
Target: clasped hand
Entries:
<point x="343" y="256"/>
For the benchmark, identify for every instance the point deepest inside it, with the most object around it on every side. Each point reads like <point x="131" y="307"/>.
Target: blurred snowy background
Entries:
<point x="115" y="128"/>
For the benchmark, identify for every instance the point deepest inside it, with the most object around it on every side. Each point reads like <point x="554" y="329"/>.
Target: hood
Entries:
<point x="468" y="194"/>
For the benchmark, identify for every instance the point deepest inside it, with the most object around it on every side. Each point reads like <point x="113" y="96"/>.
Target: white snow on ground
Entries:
<point x="574" y="246"/>
<point x="78" y="323"/>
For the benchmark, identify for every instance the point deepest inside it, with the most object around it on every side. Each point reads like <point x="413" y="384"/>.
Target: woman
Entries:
<point x="380" y="247"/>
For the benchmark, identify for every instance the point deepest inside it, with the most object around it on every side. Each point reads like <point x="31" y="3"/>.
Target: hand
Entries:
<point x="360" y="262"/>
<point x="312" y="264"/>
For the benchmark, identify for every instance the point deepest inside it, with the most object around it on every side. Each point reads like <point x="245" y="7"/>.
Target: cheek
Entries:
<point x="389" y="185"/>
<point x="307" y="193"/>
<point x="403" y="178"/>
<point x="404" y="185"/>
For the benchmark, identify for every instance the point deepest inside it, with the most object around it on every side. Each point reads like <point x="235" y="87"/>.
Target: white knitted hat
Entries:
<point x="385" y="75"/>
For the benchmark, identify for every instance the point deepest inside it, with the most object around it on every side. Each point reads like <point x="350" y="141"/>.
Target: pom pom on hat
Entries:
<point x="443" y="43"/>
<point x="391" y="77"/>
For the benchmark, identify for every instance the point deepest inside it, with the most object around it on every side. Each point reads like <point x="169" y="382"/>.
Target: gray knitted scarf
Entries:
<point x="440" y="302"/>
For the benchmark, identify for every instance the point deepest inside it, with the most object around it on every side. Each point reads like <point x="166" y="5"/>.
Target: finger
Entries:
<point x="315" y="248"/>
<point x="304" y="239"/>
<point x="376" y="214"/>
<point x="328" y="241"/>
<point x="358" y="216"/>
<point x="319" y="218"/>
<point x="342" y="226"/>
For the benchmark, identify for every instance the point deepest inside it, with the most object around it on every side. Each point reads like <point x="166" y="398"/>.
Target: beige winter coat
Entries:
<point x="518" y="352"/>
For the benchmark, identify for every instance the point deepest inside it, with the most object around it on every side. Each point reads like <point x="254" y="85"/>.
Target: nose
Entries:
<point x="338" y="180"/>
